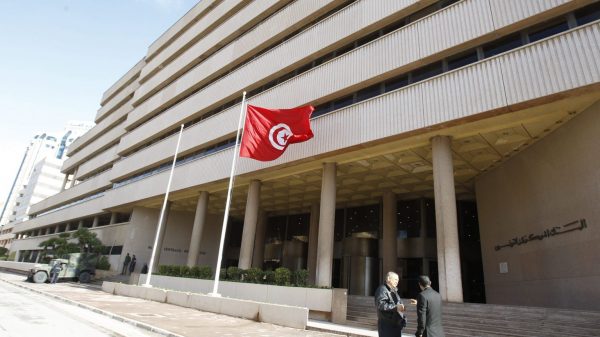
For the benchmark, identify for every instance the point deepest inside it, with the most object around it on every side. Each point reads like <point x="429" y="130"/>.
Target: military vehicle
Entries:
<point x="78" y="266"/>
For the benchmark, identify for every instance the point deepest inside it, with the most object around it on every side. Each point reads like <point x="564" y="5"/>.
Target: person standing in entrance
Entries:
<point x="429" y="310"/>
<point x="126" y="264"/>
<point x="54" y="271"/>
<point x="390" y="310"/>
<point x="132" y="264"/>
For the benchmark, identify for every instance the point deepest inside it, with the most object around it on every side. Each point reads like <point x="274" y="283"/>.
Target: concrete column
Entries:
<point x="258" y="258"/>
<point x="199" y="221"/>
<point x="74" y="178"/>
<point x="64" y="184"/>
<point x="113" y="218"/>
<point x="446" y="221"/>
<point x="326" y="226"/>
<point x="57" y="229"/>
<point x="250" y="219"/>
<point x="161" y="236"/>
<point x="389" y="251"/>
<point x="313" y="237"/>
<point x="68" y="227"/>
<point x="80" y="224"/>
<point x="95" y="222"/>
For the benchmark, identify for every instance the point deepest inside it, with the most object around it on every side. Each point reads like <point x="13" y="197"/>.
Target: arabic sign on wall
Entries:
<point x="556" y="230"/>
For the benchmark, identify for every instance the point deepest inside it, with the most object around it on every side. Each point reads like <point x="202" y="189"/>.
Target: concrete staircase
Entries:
<point x="487" y="320"/>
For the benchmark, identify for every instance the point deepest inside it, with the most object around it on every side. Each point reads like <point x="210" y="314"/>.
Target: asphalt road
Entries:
<point x="24" y="313"/>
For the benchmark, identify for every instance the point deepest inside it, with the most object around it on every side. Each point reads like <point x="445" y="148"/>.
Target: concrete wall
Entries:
<point x="552" y="183"/>
<point x="177" y="237"/>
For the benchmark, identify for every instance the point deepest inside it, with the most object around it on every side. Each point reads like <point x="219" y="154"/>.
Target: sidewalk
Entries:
<point x="165" y="319"/>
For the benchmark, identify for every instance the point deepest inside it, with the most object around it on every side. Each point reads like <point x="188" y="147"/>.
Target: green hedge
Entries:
<point x="281" y="276"/>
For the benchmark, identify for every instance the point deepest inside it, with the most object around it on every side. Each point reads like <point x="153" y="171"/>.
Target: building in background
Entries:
<point x="452" y="138"/>
<point x="39" y="175"/>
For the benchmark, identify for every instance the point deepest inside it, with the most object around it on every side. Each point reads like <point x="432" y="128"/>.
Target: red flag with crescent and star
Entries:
<point x="268" y="132"/>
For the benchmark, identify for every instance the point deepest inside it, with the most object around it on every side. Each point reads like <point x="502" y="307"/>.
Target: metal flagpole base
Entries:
<point x="147" y="285"/>
<point x="214" y="294"/>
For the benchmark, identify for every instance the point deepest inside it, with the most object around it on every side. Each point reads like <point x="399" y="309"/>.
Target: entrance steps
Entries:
<point x="488" y="320"/>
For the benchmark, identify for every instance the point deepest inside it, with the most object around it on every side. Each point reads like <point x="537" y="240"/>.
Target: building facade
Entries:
<point x="39" y="175"/>
<point x="452" y="138"/>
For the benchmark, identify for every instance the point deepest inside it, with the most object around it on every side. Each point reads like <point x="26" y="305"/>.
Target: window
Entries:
<point x="502" y="45"/>
<point x="549" y="30"/>
<point x="342" y="102"/>
<point x="362" y="221"/>
<point x="427" y="72"/>
<point x="276" y="229"/>
<point x="297" y="227"/>
<point x="588" y="14"/>
<point x="368" y="92"/>
<point x="396" y="83"/>
<point x="462" y="60"/>
<point x="408" y="217"/>
<point x="338" y="231"/>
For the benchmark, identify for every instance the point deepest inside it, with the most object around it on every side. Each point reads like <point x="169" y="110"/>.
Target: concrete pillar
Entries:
<point x="67" y="226"/>
<point x="74" y="178"/>
<point x="258" y="258"/>
<point x="446" y="221"/>
<point x="199" y="221"/>
<point x="250" y="219"/>
<point x="57" y="229"/>
<point x="95" y="222"/>
<point x="313" y="237"/>
<point x="80" y="224"/>
<point x="161" y="236"/>
<point x="113" y="218"/>
<point x="389" y="251"/>
<point x="326" y="226"/>
<point x="65" y="180"/>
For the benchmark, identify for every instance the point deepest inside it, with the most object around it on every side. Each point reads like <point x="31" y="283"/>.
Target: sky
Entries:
<point x="57" y="57"/>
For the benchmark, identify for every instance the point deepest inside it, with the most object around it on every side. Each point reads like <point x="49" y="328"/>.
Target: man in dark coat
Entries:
<point x="390" y="310"/>
<point x="429" y="310"/>
<point x="126" y="264"/>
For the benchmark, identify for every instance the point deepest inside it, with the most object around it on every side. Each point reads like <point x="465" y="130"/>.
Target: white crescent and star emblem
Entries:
<point x="279" y="135"/>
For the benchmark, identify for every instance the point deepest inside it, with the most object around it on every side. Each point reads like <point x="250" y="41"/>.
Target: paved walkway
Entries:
<point x="165" y="319"/>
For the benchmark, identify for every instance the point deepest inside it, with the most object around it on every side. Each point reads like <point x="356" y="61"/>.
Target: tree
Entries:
<point x="3" y="251"/>
<point x="87" y="241"/>
<point x="59" y="245"/>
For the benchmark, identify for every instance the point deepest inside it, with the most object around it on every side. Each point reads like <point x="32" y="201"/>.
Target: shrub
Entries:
<point x="254" y="275"/>
<point x="173" y="270"/>
<point x="185" y="271"/>
<point x="234" y="273"/>
<point x="223" y="274"/>
<point x="163" y="270"/>
<point x="195" y="272"/>
<point x="103" y="263"/>
<point x="269" y="277"/>
<point x="282" y="276"/>
<point x="205" y="272"/>
<point x="300" y="278"/>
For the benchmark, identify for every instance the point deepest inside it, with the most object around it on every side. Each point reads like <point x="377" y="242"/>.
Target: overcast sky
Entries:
<point x="57" y="57"/>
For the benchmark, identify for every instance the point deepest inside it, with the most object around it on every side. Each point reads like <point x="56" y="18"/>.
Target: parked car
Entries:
<point x="79" y="267"/>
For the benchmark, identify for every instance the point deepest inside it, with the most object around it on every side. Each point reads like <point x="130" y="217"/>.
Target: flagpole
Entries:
<point x="228" y="202"/>
<point x="162" y="212"/>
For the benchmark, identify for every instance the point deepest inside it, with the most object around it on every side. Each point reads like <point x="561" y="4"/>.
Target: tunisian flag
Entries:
<point x="268" y="132"/>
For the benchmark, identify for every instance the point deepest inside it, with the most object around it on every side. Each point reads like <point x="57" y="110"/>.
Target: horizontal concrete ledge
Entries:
<point x="285" y="315"/>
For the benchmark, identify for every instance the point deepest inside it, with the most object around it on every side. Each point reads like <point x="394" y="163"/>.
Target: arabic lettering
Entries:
<point x="556" y="230"/>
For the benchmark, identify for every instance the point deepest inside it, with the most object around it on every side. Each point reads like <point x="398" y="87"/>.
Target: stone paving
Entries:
<point x="165" y="318"/>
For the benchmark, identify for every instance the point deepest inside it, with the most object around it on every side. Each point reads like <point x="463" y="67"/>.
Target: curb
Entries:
<point x="99" y="311"/>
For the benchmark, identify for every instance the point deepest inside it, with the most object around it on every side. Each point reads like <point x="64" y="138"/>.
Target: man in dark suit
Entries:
<point x="390" y="310"/>
<point x="429" y="310"/>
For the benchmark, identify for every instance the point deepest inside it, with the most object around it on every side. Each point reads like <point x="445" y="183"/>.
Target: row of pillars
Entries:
<point x="322" y="223"/>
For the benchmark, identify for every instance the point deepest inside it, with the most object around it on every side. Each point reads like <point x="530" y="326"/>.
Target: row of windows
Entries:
<point x="103" y="220"/>
<point x="553" y="27"/>
<point x="302" y="69"/>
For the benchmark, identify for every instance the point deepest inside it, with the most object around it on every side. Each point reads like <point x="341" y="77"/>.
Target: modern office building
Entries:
<point x="457" y="139"/>
<point x="39" y="175"/>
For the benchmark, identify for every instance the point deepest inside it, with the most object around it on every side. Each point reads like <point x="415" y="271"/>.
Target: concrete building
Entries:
<point x="39" y="175"/>
<point x="452" y="138"/>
